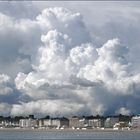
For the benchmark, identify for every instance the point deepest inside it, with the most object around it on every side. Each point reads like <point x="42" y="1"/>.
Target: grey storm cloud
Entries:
<point x="54" y="63"/>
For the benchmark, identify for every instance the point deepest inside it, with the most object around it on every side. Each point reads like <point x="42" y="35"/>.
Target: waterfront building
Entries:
<point x="55" y="122"/>
<point x="120" y="125"/>
<point x="96" y="123"/>
<point x="60" y="122"/>
<point x="135" y="122"/>
<point x="47" y="122"/>
<point x="40" y="123"/>
<point x="111" y="121"/>
<point x="83" y="123"/>
<point x="64" y="122"/>
<point x="44" y="122"/>
<point x="27" y="123"/>
<point x="74" y="122"/>
<point x="6" y="123"/>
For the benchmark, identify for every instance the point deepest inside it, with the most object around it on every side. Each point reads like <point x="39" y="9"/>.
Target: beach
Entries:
<point x="69" y="129"/>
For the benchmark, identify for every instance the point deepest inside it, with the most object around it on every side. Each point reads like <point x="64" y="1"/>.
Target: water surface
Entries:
<point x="68" y="135"/>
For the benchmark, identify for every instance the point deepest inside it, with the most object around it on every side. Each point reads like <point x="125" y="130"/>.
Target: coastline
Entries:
<point x="67" y="130"/>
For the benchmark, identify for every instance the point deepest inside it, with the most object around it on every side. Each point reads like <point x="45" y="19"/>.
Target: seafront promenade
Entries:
<point x="69" y="129"/>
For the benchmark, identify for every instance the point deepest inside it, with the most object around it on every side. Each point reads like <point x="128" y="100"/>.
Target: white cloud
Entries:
<point x="59" y="61"/>
<point x="58" y="66"/>
<point x="65" y="22"/>
<point x="64" y="65"/>
<point x="44" y="107"/>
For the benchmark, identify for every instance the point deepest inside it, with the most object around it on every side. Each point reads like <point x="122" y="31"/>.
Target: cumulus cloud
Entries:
<point x="68" y="68"/>
<point x="65" y="22"/>
<point x="62" y="72"/>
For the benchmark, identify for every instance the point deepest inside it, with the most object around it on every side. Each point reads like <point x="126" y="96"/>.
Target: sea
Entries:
<point x="69" y="135"/>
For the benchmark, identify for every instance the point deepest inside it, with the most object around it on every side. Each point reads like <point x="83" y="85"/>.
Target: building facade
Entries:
<point x="111" y="121"/>
<point x="74" y="122"/>
<point x="83" y="123"/>
<point x="96" y="123"/>
<point x="27" y="123"/>
<point x="56" y="122"/>
<point x="135" y="122"/>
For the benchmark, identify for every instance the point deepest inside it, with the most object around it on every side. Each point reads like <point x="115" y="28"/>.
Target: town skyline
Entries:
<point x="118" y="122"/>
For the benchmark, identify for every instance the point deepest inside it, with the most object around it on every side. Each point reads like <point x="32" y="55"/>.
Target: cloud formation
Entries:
<point x="5" y="85"/>
<point x="61" y="71"/>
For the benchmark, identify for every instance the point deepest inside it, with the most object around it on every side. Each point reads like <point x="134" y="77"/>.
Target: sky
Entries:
<point x="65" y="58"/>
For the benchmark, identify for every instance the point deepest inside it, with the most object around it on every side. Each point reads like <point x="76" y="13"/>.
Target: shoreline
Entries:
<point x="67" y="130"/>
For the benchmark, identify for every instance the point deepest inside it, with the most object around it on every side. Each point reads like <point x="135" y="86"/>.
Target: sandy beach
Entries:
<point x="69" y="129"/>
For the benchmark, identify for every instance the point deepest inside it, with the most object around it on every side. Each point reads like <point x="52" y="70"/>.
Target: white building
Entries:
<point x="135" y="122"/>
<point x="95" y="123"/>
<point x="58" y="122"/>
<point x="83" y="123"/>
<point x="73" y="122"/>
<point x="27" y="123"/>
<point x="47" y="122"/>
